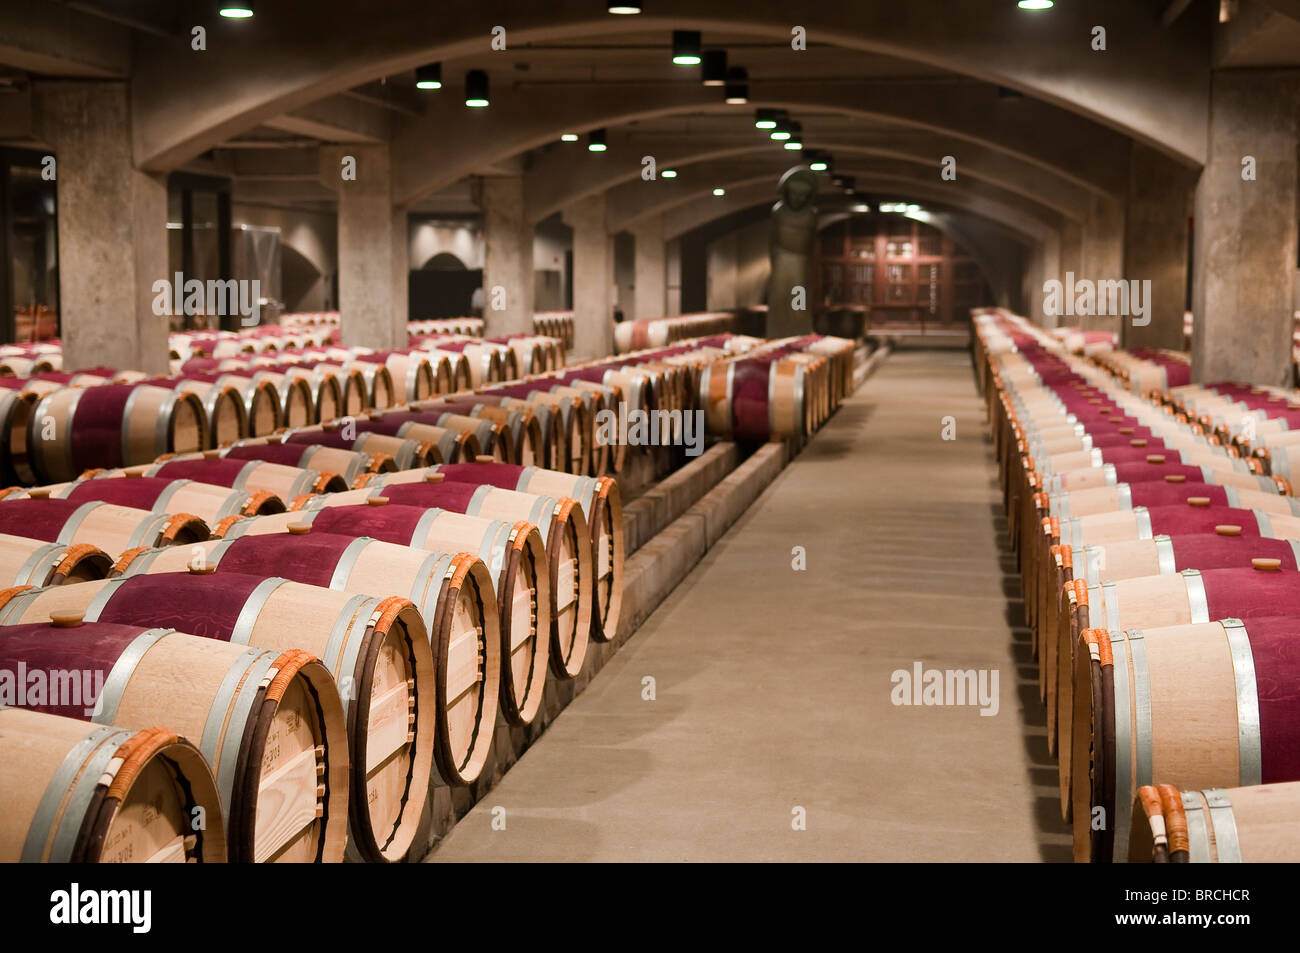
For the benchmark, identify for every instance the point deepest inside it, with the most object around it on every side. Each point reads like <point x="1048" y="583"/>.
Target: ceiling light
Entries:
<point x="847" y="183"/>
<point x="818" y="161"/>
<point x="625" y="8"/>
<point x="429" y="77"/>
<point x="737" y="86"/>
<point x="236" y="11"/>
<point x="719" y="191"/>
<point x="795" y="141"/>
<point x="596" y="140"/>
<point x="782" y="130"/>
<point x="1035" y="4"/>
<point x="668" y="174"/>
<point x="913" y="208"/>
<point x="765" y="118"/>
<point x="861" y="207"/>
<point x="713" y="68"/>
<point x="569" y="137"/>
<point x="686" y="47"/>
<point x="476" y="89"/>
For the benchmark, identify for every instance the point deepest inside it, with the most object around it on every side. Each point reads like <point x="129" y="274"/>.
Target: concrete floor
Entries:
<point x="773" y="686"/>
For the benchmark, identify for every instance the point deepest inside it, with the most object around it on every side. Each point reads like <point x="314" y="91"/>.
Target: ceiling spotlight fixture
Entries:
<point x="1035" y="4"/>
<point x="625" y="9"/>
<point x="911" y="207"/>
<point x="817" y="160"/>
<point x="781" y="132"/>
<point x="596" y="140"/>
<point x="765" y="118"/>
<point x="861" y="207"/>
<point x="476" y="89"/>
<point x="429" y="77"/>
<point x="795" y="142"/>
<point x="569" y="137"/>
<point x="686" y="47"/>
<point x="737" y="86"/>
<point x="668" y="174"/>
<point x="236" y="11"/>
<point x="713" y="68"/>
<point x="719" y="191"/>
<point x="847" y="183"/>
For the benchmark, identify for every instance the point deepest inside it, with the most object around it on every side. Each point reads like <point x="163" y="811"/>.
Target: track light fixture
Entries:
<point x="781" y="131"/>
<point x="476" y="89"/>
<point x="765" y="118"/>
<point x="596" y="140"/>
<point x="429" y="76"/>
<point x="795" y="142"/>
<point x="686" y="47"/>
<point x="713" y="68"/>
<point x="737" y="86"/>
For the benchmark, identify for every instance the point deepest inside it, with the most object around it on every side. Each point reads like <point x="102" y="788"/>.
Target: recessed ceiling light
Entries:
<point x="624" y="9"/>
<point x="861" y="207"/>
<point x="719" y="191"/>
<point x="795" y="141"/>
<point x="765" y="119"/>
<point x="737" y="86"/>
<point x="569" y="137"/>
<point x="236" y="11"/>
<point x="668" y="174"/>
<point x="782" y="130"/>
<point x="686" y="47"/>
<point x="596" y="140"/>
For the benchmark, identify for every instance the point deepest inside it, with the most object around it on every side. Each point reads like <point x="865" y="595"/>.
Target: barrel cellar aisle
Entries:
<point x="772" y="686"/>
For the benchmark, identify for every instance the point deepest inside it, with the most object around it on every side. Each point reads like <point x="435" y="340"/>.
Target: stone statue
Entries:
<point x="790" y="243"/>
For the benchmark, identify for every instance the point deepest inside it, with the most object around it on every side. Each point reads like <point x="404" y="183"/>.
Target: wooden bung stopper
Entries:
<point x="1228" y="529"/>
<point x="201" y="569"/>
<point x="1125" y="430"/>
<point x="133" y="474"/>
<point x="1138" y="442"/>
<point x="1094" y="400"/>
<point x="39" y="493"/>
<point x="377" y="501"/>
<point x="299" y="529"/>
<point x="1198" y="501"/>
<point x="485" y="458"/>
<point x="1155" y="458"/>
<point x="1266" y="565"/>
<point x="211" y="454"/>
<point x="66" y="618"/>
<point x="434" y="477"/>
<point x="1175" y="478"/>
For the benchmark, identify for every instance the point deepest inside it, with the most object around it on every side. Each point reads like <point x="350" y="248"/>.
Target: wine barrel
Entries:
<point x="514" y="554"/>
<point x="354" y="391"/>
<point x="110" y="527"/>
<point x="1111" y="474"/>
<point x="523" y="426"/>
<point x="223" y="407"/>
<point x="348" y="464"/>
<point x="161" y="495"/>
<point x="576" y="423"/>
<point x="564" y="531"/>
<point x="411" y="374"/>
<point x="404" y="454"/>
<point x="112" y="425"/>
<point x="1190" y="596"/>
<point x="601" y="503"/>
<point x="754" y="400"/>
<point x="1203" y="705"/>
<point x="444" y="445"/>
<point x="250" y="476"/>
<point x="462" y="378"/>
<point x="269" y="721"/>
<point x="1126" y="496"/>
<point x="377" y="650"/>
<point x="489" y="435"/>
<point x="30" y="562"/>
<point x="381" y="390"/>
<point x="81" y="793"/>
<point x="1254" y="824"/>
<point x="261" y="399"/>
<point x="557" y="433"/>
<point x="15" y="419"/>
<point x="452" y="592"/>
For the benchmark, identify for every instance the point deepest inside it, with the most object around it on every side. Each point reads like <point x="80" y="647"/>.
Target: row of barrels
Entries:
<point x="1162" y="589"/>
<point x="399" y="624"/>
<point x="656" y="332"/>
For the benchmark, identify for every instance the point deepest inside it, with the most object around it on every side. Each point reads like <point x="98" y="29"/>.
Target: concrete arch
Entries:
<point x="566" y="175"/>
<point x="251" y="75"/>
<point x="1073" y="148"/>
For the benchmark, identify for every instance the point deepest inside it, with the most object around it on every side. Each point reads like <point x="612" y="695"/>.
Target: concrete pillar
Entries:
<point x="1155" y="245"/>
<point x="372" y="246"/>
<point x="507" y="256"/>
<point x="112" y="230"/>
<point x="673" y="277"/>
<point x="1045" y="265"/>
<point x="1245" y="230"/>
<point x="1103" y="255"/>
<point x="624" y="273"/>
<point x="650" y="289"/>
<point x="593" y="278"/>
<point x="721" y="274"/>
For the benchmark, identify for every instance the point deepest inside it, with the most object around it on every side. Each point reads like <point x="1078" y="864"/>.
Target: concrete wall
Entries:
<point x="737" y="269"/>
<point x="309" y="252"/>
<point x="429" y="237"/>
<point x="624" y="273"/>
<point x="552" y="242"/>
